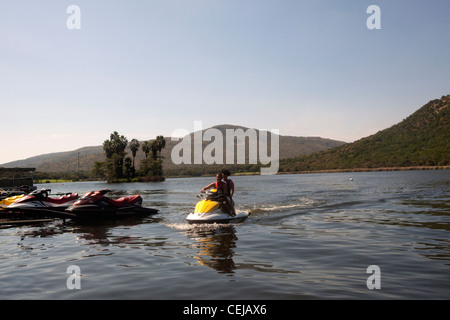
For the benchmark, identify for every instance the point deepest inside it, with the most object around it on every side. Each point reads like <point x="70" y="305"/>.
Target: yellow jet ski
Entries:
<point x="209" y="210"/>
<point x="7" y="201"/>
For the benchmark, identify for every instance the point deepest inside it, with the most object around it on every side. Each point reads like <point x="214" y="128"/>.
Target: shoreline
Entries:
<point x="380" y="169"/>
<point x="411" y="168"/>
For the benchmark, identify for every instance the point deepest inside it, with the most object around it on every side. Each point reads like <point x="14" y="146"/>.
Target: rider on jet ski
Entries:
<point x="222" y="188"/>
<point x="229" y="182"/>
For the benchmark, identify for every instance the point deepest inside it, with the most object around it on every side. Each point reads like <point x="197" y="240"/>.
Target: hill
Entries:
<point x="83" y="159"/>
<point x="422" y="139"/>
<point x="70" y="161"/>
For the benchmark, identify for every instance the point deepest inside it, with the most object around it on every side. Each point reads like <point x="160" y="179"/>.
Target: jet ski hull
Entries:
<point x="94" y="205"/>
<point x="216" y="217"/>
<point x="35" y="206"/>
<point x="39" y="203"/>
<point x="36" y="209"/>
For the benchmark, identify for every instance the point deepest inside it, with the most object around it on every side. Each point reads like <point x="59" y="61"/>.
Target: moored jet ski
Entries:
<point x="9" y="194"/>
<point x="39" y="202"/>
<point x="209" y="210"/>
<point x="10" y="200"/>
<point x="95" y="205"/>
<point x="24" y="190"/>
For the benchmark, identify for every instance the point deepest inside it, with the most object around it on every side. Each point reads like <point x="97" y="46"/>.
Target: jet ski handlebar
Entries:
<point x="211" y="195"/>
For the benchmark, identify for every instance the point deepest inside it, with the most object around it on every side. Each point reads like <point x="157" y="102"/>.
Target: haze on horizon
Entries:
<point x="146" y="68"/>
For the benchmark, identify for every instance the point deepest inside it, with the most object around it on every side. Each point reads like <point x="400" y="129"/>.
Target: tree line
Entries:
<point x="119" y="166"/>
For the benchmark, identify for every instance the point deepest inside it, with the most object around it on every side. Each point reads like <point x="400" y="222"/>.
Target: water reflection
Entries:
<point x="101" y="231"/>
<point x="216" y="247"/>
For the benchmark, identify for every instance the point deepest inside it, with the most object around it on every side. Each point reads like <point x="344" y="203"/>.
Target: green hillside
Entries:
<point x="422" y="139"/>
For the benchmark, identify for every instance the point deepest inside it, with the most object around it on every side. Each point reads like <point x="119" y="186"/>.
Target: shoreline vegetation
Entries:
<point x="159" y="179"/>
<point x="119" y="167"/>
<point x="411" y="168"/>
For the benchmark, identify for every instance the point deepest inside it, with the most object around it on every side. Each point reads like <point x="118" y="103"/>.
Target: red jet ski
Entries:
<point x="39" y="202"/>
<point x="95" y="205"/>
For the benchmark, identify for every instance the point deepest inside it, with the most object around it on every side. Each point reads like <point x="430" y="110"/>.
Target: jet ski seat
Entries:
<point x="125" y="200"/>
<point x="62" y="199"/>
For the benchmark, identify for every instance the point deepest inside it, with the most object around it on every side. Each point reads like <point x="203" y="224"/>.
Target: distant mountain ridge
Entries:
<point x="83" y="159"/>
<point x="422" y="139"/>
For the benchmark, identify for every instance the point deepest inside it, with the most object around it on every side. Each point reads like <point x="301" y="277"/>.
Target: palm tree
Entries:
<point x="146" y="148"/>
<point x="161" y="143"/>
<point x="128" y="167"/>
<point x="118" y="143"/>
<point x="107" y="147"/>
<point x="115" y="149"/>
<point x="134" y="147"/>
<point x="152" y="167"/>
<point x="154" y="146"/>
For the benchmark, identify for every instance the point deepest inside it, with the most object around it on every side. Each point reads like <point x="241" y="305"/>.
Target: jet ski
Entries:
<point x="10" y="200"/>
<point x="95" y="205"/>
<point x="24" y="190"/>
<point x="9" y="194"/>
<point x="209" y="210"/>
<point x="39" y="202"/>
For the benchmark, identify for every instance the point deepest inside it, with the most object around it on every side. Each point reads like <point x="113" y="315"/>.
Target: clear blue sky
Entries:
<point x="144" y="68"/>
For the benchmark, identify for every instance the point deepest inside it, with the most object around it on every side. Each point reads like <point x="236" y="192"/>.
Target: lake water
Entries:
<point x="308" y="237"/>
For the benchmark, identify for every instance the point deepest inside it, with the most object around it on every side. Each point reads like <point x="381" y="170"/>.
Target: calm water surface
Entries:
<point x="308" y="237"/>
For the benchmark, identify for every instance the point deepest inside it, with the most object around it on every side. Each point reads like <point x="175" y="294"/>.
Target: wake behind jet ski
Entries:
<point x="210" y="210"/>
<point x="95" y="205"/>
<point x="39" y="202"/>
